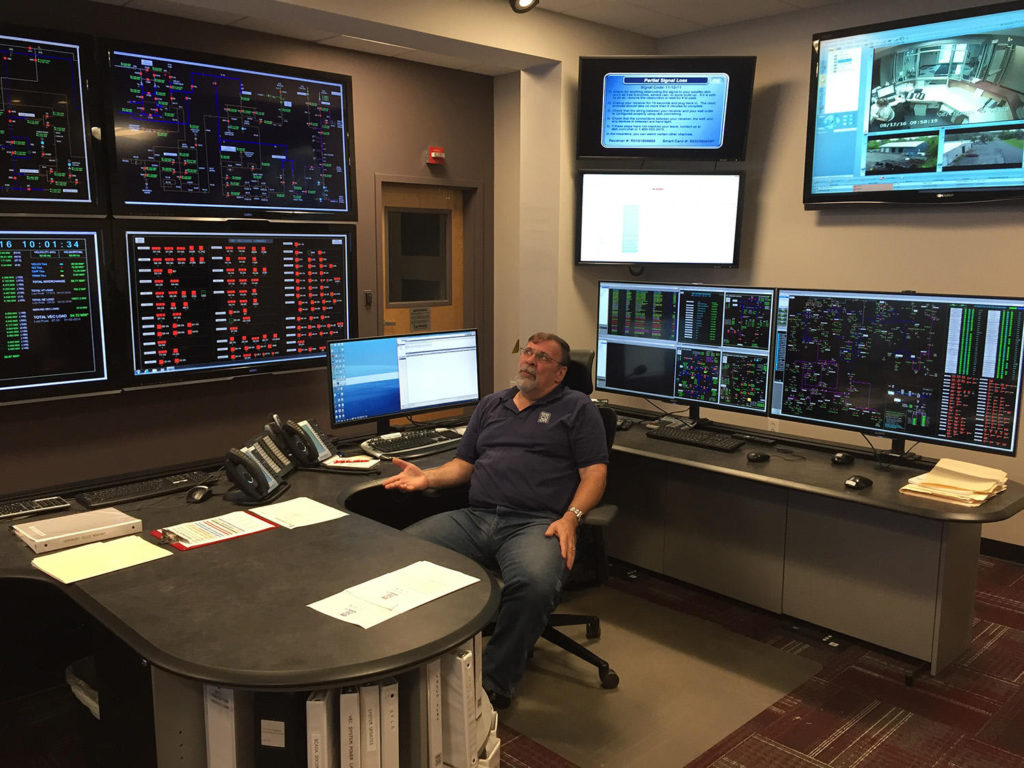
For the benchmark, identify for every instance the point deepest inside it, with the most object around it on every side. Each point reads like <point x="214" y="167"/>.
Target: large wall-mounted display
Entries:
<point x="659" y="218"/>
<point x="692" y="344"/>
<point x="47" y="165"/>
<point x="52" y="337"/>
<point x="209" y="301"/>
<point x="665" y="107"/>
<point x="198" y="135"/>
<point x="923" y="110"/>
<point x="940" y="369"/>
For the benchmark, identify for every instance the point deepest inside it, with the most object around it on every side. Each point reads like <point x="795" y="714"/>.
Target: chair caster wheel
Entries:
<point x="609" y="679"/>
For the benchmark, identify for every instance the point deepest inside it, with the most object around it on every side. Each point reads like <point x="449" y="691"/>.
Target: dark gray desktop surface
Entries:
<point x="810" y="469"/>
<point x="235" y="612"/>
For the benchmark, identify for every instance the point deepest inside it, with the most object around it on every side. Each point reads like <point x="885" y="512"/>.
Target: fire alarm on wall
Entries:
<point x="435" y="155"/>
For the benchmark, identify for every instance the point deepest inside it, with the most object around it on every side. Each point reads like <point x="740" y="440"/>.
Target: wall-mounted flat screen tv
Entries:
<point x="209" y="301"/>
<point x="196" y="135"/>
<point x="47" y="161"/>
<point x="665" y="107"/>
<point x="659" y="218"/>
<point x="923" y="110"/>
<point x="52" y="294"/>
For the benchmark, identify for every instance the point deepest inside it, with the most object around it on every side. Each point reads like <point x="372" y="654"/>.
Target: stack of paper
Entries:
<point x="958" y="482"/>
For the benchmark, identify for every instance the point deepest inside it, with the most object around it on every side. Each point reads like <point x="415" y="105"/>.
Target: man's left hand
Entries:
<point x="565" y="529"/>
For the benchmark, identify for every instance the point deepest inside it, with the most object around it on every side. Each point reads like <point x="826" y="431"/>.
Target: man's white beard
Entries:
<point x="524" y="383"/>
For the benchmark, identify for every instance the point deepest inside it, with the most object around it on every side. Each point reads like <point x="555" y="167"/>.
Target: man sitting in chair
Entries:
<point x="536" y="459"/>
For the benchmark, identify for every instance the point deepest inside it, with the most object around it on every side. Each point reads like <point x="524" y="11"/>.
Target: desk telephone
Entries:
<point x="258" y="468"/>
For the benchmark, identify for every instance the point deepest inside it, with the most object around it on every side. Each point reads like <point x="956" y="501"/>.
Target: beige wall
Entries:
<point x="960" y="249"/>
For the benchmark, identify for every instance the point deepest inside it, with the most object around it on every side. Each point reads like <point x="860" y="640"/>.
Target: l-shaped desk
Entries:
<point x="788" y="536"/>
<point x="234" y="614"/>
<point x="785" y="535"/>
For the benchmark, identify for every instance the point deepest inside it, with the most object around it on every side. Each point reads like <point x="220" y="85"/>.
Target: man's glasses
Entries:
<point x="536" y="354"/>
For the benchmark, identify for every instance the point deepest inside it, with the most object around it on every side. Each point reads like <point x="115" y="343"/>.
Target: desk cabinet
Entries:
<point x="895" y="580"/>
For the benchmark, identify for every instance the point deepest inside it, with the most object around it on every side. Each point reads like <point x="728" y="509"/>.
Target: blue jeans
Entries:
<point x="531" y="565"/>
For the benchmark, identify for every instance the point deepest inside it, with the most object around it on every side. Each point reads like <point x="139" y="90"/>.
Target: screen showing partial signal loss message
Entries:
<point x="193" y="135"/>
<point x="664" y="110"/>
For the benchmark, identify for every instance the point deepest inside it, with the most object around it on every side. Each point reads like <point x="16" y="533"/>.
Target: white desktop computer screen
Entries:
<point x="659" y="218"/>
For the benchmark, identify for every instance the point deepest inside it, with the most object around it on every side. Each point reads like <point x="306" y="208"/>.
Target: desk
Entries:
<point x="786" y="535"/>
<point x="234" y="614"/>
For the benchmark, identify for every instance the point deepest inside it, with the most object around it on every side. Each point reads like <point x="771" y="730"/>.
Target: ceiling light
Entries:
<point x="522" y="6"/>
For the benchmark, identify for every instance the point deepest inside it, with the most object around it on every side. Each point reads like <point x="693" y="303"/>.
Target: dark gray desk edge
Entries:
<point x="1001" y="507"/>
<point x="290" y="680"/>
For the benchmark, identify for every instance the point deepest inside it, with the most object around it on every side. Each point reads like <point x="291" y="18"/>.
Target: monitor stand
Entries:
<point x="897" y="455"/>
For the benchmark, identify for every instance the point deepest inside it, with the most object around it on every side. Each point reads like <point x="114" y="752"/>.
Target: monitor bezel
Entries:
<point x="592" y="70"/>
<point x="897" y="436"/>
<point x="106" y="303"/>
<point x="92" y="111"/>
<point x="381" y="420"/>
<point x="122" y="229"/>
<point x="691" y="402"/>
<point x="740" y="189"/>
<point x="121" y="208"/>
<point x="935" y="196"/>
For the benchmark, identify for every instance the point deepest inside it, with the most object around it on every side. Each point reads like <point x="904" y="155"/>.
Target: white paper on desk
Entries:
<point x="347" y="607"/>
<point x="378" y="599"/>
<point x="98" y="558"/>
<point x="296" y="513"/>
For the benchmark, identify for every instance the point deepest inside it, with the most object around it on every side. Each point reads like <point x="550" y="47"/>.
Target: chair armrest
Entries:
<point x="601" y="515"/>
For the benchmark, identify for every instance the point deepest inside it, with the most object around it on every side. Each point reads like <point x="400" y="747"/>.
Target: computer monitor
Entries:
<point x="664" y="107"/>
<point x="659" y="218"/>
<point x="201" y="135"/>
<point x="53" y="336"/>
<point x="377" y="379"/>
<point x="46" y="162"/>
<point x="211" y="301"/>
<point x="691" y="344"/>
<point x="921" y="110"/>
<point x="939" y="369"/>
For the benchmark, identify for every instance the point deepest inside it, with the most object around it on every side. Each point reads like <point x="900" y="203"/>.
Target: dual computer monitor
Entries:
<point x="941" y="369"/>
<point x="375" y="379"/>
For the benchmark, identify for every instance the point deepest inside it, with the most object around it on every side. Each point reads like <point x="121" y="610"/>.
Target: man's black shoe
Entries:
<point x="498" y="700"/>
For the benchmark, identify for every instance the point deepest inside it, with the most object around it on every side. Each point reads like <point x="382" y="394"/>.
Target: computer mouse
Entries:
<point x="198" y="493"/>
<point x="858" y="482"/>
<point x="757" y="456"/>
<point x="842" y="458"/>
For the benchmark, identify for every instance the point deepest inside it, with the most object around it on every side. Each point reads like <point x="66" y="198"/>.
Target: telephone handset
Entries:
<point x="303" y="440"/>
<point x="258" y="469"/>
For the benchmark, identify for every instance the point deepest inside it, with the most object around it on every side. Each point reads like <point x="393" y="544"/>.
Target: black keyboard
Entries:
<point x="32" y="506"/>
<point x="411" y="443"/>
<point x="142" y="489"/>
<point x="703" y="438"/>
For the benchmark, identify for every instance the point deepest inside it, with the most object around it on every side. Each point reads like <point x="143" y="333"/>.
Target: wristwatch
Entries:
<point x="579" y="514"/>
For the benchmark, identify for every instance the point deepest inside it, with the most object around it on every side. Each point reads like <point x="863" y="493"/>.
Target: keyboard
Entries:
<point x="702" y="438"/>
<point x="32" y="506"/>
<point x="142" y="489"/>
<point x="411" y="443"/>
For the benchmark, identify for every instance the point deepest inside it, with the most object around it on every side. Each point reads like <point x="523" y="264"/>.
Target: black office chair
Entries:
<point x="591" y="567"/>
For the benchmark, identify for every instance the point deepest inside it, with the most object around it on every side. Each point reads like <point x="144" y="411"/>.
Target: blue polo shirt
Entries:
<point x="530" y="459"/>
